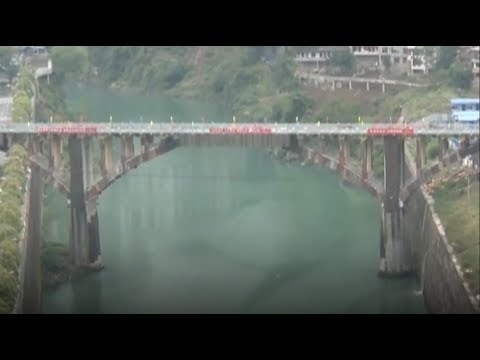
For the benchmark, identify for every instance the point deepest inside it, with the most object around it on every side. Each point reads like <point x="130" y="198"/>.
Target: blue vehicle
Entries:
<point x="465" y="110"/>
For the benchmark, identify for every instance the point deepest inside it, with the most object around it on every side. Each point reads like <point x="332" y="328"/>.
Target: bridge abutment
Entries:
<point x="395" y="257"/>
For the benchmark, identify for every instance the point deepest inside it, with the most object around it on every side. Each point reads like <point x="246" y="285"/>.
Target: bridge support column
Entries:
<point x="146" y="142"/>
<point x="322" y="144"/>
<point x="383" y="88"/>
<point x="127" y="149"/>
<point x="442" y="149"/>
<point x="87" y="162"/>
<point x="84" y="240"/>
<point x="395" y="259"/>
<point x="350" y="85"/>
<point x="56" y="152"/>
<point x="367" y="158"/>
<point x="32" y="278"/>
<point x="341" y="154"/>
<point x="106" y="155"/>
<point x="421" y="160"/>
<point x="368" y="86"/>
<point x="34" y="144"/>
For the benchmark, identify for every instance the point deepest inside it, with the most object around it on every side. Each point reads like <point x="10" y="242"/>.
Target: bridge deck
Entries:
<point x="230" y="128"/>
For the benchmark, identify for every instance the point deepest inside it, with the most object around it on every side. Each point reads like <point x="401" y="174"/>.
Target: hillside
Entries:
<point x="256" y="82"/>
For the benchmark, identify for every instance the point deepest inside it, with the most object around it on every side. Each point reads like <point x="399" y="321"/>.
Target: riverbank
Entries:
<point x="457" y="206"/>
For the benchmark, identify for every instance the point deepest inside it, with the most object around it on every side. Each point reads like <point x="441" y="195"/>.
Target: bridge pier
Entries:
<point x="34" y="144"/>
<point x="5" y="142"/>
<point x="367" y="167"/>
<point x="442" y="150"/>
<point x="56" y="150"/>
<point x="106" y="155"/>
<point x="127" y="148"/>
<point x="395" y="258"/>
<point x="87" y="161"/>
<point x="421" y="160"/>
<point x="341" y="154"/>
<point x="84" y="240"/>
<point x="350" y="85"/>
<point x="383" y="88"/>
<point x="368" y="86"/>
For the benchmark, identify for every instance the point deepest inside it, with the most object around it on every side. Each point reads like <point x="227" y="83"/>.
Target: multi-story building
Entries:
<point x="315" y="58"/>
<point x="411" y="60"/>
<point x="475" y="60"/>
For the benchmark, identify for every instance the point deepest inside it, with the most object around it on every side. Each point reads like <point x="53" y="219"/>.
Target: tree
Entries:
<point x="344" y="60"/>
<point x="283" y="74"/>
<point x="19" y="151"/>
<point x="8" y="288"/>
<point x="9" y="256"/>
<point x="7" y="232"/>
<point x="386" y="62"/>
<point x="70" y="61"/>
<point x="252" y="55"/>
<point x="25" y="85"/>
<point x="459" y="77"/>
<point x="22" y="109"/>
<point x="13" y="160"/>
<point x="5" y="57"/>
<point x="446" y="57"/>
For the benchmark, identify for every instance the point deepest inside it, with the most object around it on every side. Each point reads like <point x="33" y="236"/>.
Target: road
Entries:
<point x="230" y="128"/>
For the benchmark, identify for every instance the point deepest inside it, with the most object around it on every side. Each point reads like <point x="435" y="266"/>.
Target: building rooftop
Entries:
<point x="466" y="101"/>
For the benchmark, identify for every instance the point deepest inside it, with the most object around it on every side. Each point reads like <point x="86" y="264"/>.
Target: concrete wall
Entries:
<point x="32" y="280"/>
<point x="444" y="287"/>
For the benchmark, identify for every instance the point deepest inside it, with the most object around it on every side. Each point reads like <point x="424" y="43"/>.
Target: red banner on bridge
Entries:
<point x="63" y="129"/>
<point x="255" y="129"/>
<point x="391" y="130"/>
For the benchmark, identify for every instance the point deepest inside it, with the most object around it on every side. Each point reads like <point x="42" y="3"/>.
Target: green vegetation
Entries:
<point x="6" y="65"/>
<point x="22" y="93"/>
<point x="342" y="62"/>
<point x="459" y="213"/>
<point x="12" y="186"/>
<point x="459" y="77"/>
<point x="71" y="62"/>
<point x="446" y="57"/>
